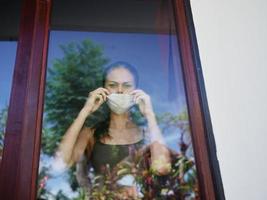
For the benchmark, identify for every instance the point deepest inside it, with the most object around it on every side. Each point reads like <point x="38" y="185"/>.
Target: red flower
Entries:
<point x="42" y="185"/>
<point x="149" y="180"/>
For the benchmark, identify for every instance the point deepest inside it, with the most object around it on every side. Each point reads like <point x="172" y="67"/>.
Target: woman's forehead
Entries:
<point x="120" y="75"/>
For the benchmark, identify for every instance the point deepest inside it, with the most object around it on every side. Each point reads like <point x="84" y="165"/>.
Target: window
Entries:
<point x="153" y="36"/>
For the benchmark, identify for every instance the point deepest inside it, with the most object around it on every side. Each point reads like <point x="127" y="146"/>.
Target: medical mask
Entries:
<point x="120" y="103"/>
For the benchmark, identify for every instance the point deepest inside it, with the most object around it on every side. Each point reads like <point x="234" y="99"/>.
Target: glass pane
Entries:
<point x="115" y="120"/>
<point x="7" y="61"/>
<point x="9" y="23"/>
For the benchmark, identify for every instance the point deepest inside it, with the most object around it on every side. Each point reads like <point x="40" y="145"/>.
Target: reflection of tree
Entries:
<point x="177" y="123"/>
<point x="69" y="81"/>
<point x="3" y="118"/>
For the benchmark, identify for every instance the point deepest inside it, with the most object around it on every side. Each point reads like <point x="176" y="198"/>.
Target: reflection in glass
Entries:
<point x="9" y="28"/>
<point x="7" y="61"/>
<point x="115" y="122"/>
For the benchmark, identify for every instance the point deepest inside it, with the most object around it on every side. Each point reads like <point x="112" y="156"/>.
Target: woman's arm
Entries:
<point x="160" y="155"/>
<point x="74" y="141"/>
<point x="78" y="137"/>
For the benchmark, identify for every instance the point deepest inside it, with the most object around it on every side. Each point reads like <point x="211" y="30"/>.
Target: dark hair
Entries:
<point x="102" y="115"/>
<point x="121" y="64"/>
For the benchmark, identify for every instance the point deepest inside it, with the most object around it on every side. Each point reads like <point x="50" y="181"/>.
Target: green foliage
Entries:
<point x="61" y="196"/>
<point x="180" y="183"/>
<point x="3" y="118"/>
<point x="72" y="178"/>
<point x="69" y="82"/>
<point x="81" y="196"/>
<point x="181" y="121"/>
<point x="105" y="186"/>
<point x="169" y="122"/>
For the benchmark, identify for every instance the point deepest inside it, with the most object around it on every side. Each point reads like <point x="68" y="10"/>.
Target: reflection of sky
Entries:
<point x="7" y="62"/>
<point x="147" y="52"/>
<point x="58" y="179"/>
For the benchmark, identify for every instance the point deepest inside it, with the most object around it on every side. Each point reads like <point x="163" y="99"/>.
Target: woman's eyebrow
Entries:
<point x="127" y="82"/>
<point x="112" y="81"/>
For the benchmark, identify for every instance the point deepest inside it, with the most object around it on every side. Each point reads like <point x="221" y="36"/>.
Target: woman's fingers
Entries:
<point x="140" y="95"/>
<point x="99" y="99"/>
<point x="96" y="98"/>
<point x="138" y="100"/>
<point x="103" y="94"/>
<point x="104" y="90"/>
<point x="100" y="91"/>
<point x="137" y="91"/>
<point x="143" y="100"/>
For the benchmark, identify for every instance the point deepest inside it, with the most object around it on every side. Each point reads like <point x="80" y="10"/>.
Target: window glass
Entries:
<point x="115" y="120"/>
<point x="9" y="23"/>
<point x="7" y="60"/>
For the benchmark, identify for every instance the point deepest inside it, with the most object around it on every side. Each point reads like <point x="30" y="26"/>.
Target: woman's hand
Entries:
<point x="95" y="99"/>
<point x="142" y="99"/>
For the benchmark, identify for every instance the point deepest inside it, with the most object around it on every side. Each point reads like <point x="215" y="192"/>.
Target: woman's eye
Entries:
<point x="112" y="85"/>
<point x="127" y="85"/>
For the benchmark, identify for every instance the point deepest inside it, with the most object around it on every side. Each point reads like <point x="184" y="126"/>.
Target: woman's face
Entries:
<point x="120" y="80"/>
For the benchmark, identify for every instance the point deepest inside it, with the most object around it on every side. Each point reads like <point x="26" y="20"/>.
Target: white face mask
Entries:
<point x="120" y="103"/>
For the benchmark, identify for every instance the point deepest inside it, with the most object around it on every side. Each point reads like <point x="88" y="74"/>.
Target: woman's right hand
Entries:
<point x="95" y="99"/>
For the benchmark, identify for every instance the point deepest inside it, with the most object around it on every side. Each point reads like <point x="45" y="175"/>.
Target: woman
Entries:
<point x="120" y="92"/>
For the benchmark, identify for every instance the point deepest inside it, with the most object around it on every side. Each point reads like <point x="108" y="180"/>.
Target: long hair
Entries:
<point x="103" y="113"/>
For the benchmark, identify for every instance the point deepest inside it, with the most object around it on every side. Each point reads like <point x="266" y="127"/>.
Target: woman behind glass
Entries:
<point x="121" y="130"/>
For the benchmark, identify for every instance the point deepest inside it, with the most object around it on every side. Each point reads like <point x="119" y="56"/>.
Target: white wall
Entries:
<point x="232" y="38"/>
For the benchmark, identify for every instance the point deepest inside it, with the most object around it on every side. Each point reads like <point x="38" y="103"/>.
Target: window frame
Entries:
<point x="19" y="166"/>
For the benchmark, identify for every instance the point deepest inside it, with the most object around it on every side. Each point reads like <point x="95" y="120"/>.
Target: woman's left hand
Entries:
<point x="142" y="99"/>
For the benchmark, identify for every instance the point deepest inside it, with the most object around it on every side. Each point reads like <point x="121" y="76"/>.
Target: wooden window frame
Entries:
<point x="20" y="161"/>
